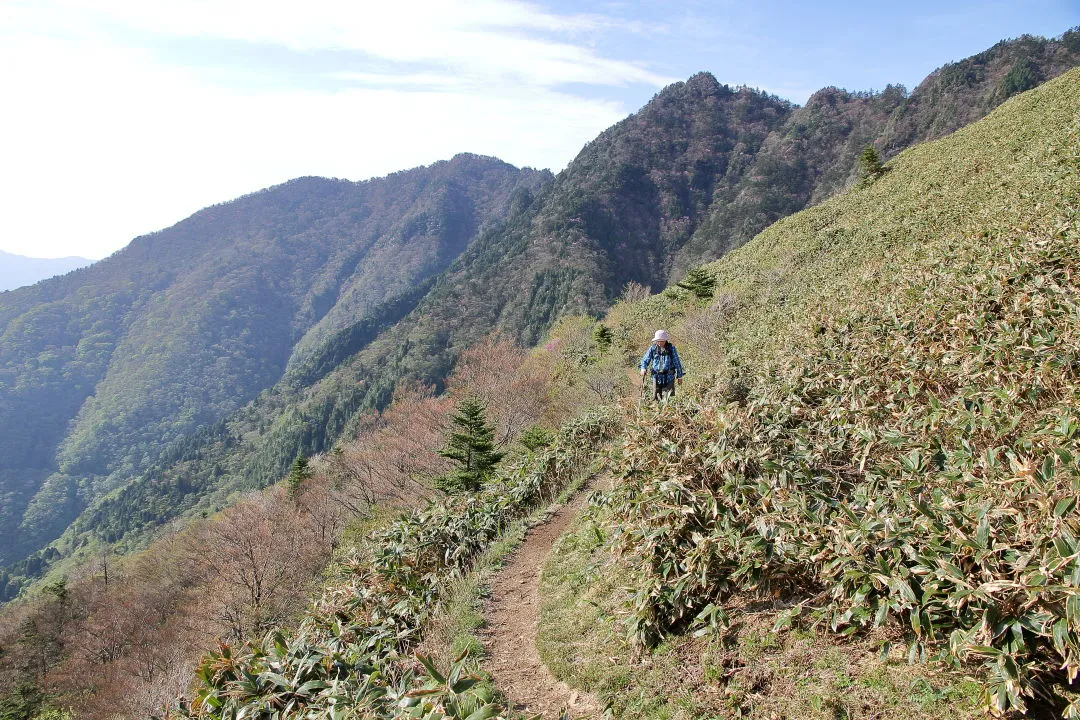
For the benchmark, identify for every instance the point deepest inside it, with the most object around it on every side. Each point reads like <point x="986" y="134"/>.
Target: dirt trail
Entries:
<point x="512" y="615"/>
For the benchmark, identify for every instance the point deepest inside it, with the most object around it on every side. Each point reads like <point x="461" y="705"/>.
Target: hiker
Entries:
<point x="662" y="360"/>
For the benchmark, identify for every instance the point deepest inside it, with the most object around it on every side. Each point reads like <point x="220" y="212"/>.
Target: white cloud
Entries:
<point x="480" y="37"/>
<point x="407" y="80"/>
<point x="102" y="141"/>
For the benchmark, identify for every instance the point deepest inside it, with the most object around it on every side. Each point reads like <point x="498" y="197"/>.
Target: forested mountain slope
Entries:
<point x="202" y="359"/>
<point x="564" y="247"/>
<point x="102" y="369"/>
<point x="863" y="501"/>
<point x="813" y="155"/>
<point x="877" y="446"/>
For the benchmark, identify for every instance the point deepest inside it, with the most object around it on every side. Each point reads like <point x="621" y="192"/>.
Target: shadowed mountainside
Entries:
<point x="102" y="369"/>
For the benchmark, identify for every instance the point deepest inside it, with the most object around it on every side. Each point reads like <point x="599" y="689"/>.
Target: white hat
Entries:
<point x="661" y="335"/>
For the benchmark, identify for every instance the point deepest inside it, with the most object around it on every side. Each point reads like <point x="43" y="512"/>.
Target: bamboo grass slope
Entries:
<point x="911" y="452"/>
<point x="351" y="657"/>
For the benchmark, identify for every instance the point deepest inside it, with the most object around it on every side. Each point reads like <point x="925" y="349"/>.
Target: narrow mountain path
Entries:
<point x="512" y="615"/>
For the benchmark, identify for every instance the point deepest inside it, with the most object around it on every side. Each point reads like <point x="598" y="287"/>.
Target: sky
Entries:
<point x="122" y="117"/>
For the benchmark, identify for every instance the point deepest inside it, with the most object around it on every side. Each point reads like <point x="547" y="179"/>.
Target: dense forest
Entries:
<point x="109" y="370"/>
<point x="200" y="360"/>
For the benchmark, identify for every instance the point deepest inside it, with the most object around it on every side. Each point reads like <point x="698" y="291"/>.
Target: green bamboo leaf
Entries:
<point x="431" y="670"/>
<point x="901" y="586"/>
<point x="1072" y="611"/>
<point x="1046" y="472"/>
<point x="982" y="532"/>
<point x="1061" y="636"/>
<point x="311" y="685"/>
<point x="486" y="712"/>
<point x="276" y="679"/>
<point x="464" y="684"/>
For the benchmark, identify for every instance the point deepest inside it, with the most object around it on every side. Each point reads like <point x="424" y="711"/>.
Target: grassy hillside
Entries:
<point x="559" y="248"/>
<point x="876" y="461"/>
<point x="884" y="443"/>
<point x="622" y="211"/>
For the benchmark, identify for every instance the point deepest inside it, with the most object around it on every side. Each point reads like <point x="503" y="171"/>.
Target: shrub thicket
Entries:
<point x="350" y="657"/>
<point x="912" y="451"/>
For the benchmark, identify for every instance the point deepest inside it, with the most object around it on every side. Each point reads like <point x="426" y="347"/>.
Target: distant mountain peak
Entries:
<point x="704" y="82"/>
<point x="18" y="270"/>
<point x="698" y="86"/>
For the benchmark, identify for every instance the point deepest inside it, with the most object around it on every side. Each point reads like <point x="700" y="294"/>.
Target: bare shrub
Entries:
<point x="391" y="461"/>
<point x="607" y="381"/>
<point x="512" y="386"/>
<point x="256" y="560"/>
<point x="635" y="292"/>
<point x="702" y="328"/>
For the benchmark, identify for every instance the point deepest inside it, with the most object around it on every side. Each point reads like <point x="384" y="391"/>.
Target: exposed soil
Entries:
<point x="512" y="616"/>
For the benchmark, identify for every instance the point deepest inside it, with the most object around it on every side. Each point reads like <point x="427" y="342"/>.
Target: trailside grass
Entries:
<point x="880" y="430"/>
<point x="745" y="670"/>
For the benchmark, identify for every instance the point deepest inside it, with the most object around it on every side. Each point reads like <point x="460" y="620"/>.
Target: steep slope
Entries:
<point x="18" y="271"/>
<point x="886" y="445"/>
<point x="692" y="175"/>
<point x="104" y="368"/>
<point x="618" y="213"/>
<point x="567" y="246"/>
<point x="622" y="211"/>
<point x="813" y="155"/>
<point x="883" y="443"/>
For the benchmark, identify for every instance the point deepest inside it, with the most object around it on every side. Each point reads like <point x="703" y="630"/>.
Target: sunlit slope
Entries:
<point x="1014" y="171"/>
<point x="893" y="436"/>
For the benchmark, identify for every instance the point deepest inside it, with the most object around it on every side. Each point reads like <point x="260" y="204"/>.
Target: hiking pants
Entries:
<point x="663" y="390"/>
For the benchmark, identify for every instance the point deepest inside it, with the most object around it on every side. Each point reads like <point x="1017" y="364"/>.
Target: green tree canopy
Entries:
<point x="298" y="473"/>
<point x="603" y="337"/>
<point x="870" y="167"/>
<point x="471" y="446"/>
<point x="699" y="281"/>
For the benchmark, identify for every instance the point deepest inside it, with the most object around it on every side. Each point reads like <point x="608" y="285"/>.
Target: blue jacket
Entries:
<point x="664" y="366"/>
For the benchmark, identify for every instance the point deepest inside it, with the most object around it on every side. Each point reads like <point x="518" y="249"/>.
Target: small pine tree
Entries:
<point x="870" y="167"/>
<point x="699" y="281"/>
<point x="472" y="446"/>
<point x="298" y="473"/>
<point x="536" y="438"/>
<point x="603" y="337"/>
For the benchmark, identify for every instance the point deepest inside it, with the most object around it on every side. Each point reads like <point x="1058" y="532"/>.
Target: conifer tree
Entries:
<point x="870" y="167"/>
<point x="700" y="282"/>
<point x="472" y="446"/>
<point x="603" y="337"/>
<point x="536" y="438"/>
<point x="298" y="473"/>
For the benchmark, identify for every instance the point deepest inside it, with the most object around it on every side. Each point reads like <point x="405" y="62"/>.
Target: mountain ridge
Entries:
<point x="893" y="370"/>
<point x="692" y="174"/>
<point x="18" y="271"/>
<point x="248" y="300"/>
